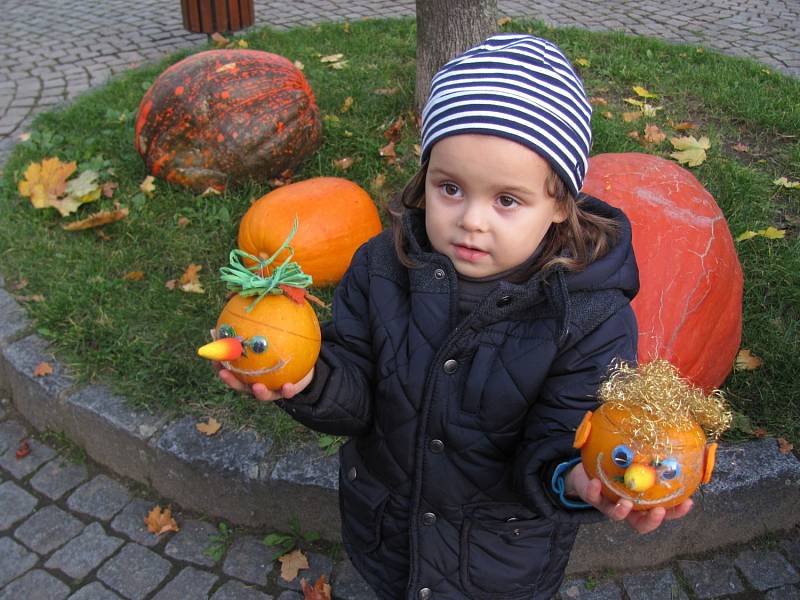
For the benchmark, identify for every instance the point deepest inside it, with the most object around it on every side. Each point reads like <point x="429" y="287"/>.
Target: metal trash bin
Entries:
<point x="217" y="16"/>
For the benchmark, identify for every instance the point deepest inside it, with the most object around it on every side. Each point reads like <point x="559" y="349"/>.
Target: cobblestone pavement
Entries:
<point x="73" y="530"/>
<point x="70" y="529"/>
<point x="51" y="51"/>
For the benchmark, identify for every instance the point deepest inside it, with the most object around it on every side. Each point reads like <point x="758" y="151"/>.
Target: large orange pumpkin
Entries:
<point x="336" y="217"/>
<point x="689" y="306"/>
<point x="225" y="115"/>
<point x="276" y="342"/>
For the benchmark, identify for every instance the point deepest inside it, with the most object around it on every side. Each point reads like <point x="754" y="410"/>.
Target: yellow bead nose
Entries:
<point x="639" y="478"/>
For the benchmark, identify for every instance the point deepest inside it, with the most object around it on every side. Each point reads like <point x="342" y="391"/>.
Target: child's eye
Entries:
<point x="450" y="189"/>
<point x="507" y="201"/>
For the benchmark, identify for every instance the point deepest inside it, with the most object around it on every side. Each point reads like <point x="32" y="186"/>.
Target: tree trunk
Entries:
<point x="445" y="29"/>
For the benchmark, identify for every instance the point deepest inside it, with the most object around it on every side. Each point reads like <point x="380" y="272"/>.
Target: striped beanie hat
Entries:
<point x="518" y="87"/>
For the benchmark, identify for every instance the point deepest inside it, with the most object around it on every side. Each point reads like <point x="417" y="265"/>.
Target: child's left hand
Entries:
<point x="577" y="483"/>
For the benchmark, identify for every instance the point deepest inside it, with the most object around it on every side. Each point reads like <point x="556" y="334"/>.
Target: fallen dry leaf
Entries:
<point x="784" y="447"/>
<point x="347" y="104"/>
<point x="746" y="361"/>
<point x="148" y="185"/>
<point x="183" y="221"/>
<point x="386" y="91"/>
<point x="770" y="233"/>
<point x="210" y="191"/>
<point x="31" y="298"/>
<point x="583" y="62"/>
<point x="598" y="101"/>
<point x="98" y="219"/>
<point x="300" y="66"/>
<point x="393" y="132"/>
<point x="21" y="284"/>
<point x="331" y="58"/>
<point x="607" y="115"/>
<point x="759" y="432"/>
<point x="634" y="134"/>
<point x="159" y="521"/>
<point x="343" y="163"/>
<point x="46" y="181"/>
<point x="291" y="563"/>
<point x="211" y="427"/>
<point x="220" y="41"/>
<point x="784" y="182"/>
<point x="654" y="135"/>
<point x="133" y="276"/>
<point x="741" y="147"/>
<point x="23" y="449"/>
<point x="691" y="151"/>
<point x="321" y="590"/>
<point x="388" y="152"/>
<point x="43" y="369"/>
<point x="640" y="91"/>
<point x="630" y="117"/>
<point x="190" y="281"/>
<point x="503" y="21"/>
<point x="684" y="125"/>
<point x="108" y="188"/>
<point x="379" y="181"/>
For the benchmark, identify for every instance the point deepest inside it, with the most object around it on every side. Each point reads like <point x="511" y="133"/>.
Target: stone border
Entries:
<point x="233" y="475"/>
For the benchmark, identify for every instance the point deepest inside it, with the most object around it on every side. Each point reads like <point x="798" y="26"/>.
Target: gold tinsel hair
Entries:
<point x="663" y="400"/>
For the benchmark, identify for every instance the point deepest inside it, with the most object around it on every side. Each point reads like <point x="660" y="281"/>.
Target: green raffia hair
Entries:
<point x="250" y="281"/>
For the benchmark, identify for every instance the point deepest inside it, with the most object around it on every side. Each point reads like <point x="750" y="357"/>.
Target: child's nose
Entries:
<point x="473" y="218"/>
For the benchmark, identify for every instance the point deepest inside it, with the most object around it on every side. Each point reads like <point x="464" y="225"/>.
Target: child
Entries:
<point x="465" y="349"/>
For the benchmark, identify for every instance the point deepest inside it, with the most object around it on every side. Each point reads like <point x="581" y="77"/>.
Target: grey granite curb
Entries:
<point x="236" y="476"/>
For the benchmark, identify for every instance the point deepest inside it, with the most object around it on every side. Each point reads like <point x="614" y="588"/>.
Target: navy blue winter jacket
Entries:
<point x="454" y="423"/>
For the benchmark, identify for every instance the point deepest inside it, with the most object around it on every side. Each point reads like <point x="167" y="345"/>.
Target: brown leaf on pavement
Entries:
<point x="42" y="369"/>
<point x="23" y="449"/>
<point x="784" y="446"/>
<point x="321" y="590"/>
<point x="211" y="427"/>
<point x="159" y="521"/>
<point x="291" y="563"/>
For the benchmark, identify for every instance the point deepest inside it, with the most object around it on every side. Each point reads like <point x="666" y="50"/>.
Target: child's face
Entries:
<point x="486" y="202"/>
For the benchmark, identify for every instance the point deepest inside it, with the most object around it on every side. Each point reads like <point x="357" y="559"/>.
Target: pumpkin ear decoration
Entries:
<point x="711" y="458"/>
<point x="584" y="429"/>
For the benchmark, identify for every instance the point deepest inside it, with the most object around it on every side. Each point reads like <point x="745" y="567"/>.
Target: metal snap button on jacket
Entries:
<point x="437" y="446"/>
<point x="424" y="594"/>
<point x="450" y="366"/>
<point x="352" y="473"/>
<point x="428" y="518"/>
<point x="504" y="301"/>
<point x="439" y="273"/>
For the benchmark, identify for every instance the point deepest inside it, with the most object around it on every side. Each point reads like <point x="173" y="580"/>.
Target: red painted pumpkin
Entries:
<point x="227" y="115"/>
<point x="336" y="216"/>
<point x="689" y="306"/>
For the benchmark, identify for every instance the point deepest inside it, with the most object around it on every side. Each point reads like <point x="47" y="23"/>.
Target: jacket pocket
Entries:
<point x="362" y="499"/>
<point x="504" y="550"/>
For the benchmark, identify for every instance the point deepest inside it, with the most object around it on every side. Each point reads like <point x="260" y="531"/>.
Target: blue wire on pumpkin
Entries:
<point x="250" y="281"/>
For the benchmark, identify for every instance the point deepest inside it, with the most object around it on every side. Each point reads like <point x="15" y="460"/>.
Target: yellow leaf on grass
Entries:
<point x="343" y="163"/>
<point x="503" y="21"/>
<point x="347" y="104"/>
<point x="133" y="276"/>
<point x="210" y="428"/>
<point x="583" y="62"/>
<point x="42" y="369"/>
<point x="300" y="66"/>
<point x="104" y="217"/>
<point x="46" y="181"/>
<point x="634" y="101"/>
<point x="650" y="111"/>
<point x="691" y="151"/>
<point x="640" y="91"/>
<point x="378" y="182"/>
<point x="747" y="235"/>
<point x="747" y="361"/>
<point x="331" y="58"/>
<point x="771" y="233"/>
<point x="160" y="521"/>
<point x="148" y="186"/>
<point x="291" y="563"/>
<point x="783" y="181"/>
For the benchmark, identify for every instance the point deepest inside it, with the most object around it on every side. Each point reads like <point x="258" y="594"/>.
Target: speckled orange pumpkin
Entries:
<point x="280" y="339"/>
<point x="227" y="115"/>
<point x="628" y="468"/>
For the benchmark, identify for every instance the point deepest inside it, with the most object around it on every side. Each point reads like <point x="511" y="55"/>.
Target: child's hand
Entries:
<point x="577" y="483"/>
<point x="259" y="390"/>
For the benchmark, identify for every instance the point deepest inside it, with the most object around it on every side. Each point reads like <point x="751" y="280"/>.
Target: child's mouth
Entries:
<point x="468" y="254"/>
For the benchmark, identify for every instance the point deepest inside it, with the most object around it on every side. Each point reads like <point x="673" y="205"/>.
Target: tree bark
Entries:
<point x="445" y="29"/>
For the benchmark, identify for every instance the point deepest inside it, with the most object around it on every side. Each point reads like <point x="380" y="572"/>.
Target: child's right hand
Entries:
<point x="259" y="390"/>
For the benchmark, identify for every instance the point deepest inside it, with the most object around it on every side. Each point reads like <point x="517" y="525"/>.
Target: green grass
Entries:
<point x="141" y="337"/>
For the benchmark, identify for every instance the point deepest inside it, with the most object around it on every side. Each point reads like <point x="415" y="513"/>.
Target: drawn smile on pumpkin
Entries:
<point x="622" y="490"/>
<point x="257" y="344"/>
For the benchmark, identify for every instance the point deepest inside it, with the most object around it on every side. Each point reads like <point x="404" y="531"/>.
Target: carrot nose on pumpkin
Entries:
<point x="223" y="349"/>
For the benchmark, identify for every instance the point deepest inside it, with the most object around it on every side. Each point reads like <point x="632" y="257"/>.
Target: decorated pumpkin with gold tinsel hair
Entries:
<point x="648" y="442"/>
<point x="273" y="339"/>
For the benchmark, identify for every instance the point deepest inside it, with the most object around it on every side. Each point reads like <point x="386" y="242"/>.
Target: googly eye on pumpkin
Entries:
<point x="258" y="344"/>
<point x="225" y="331"/>
<point x="622" y="456"/>
<point x="669" y="469"/>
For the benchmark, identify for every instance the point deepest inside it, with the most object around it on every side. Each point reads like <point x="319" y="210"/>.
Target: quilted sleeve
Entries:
<point x="568" y="392"/>
<point x="339" y="398"/>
